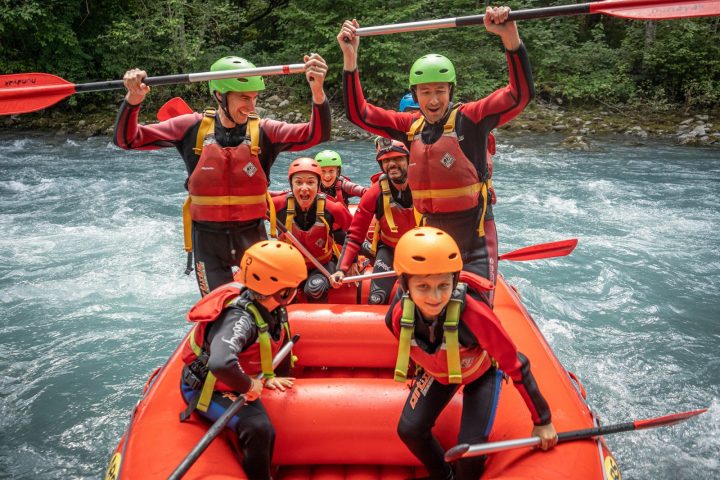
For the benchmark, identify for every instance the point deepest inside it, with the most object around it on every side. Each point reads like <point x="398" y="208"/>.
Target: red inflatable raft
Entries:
<point x="339" y="421"/>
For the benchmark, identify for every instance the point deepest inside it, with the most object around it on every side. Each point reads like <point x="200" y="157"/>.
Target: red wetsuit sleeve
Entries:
<point x="352" y="189"/>
<point x="282" y="136"/>
<point x="506" y="103"/>
<point x="386" y="123"/>
<point x="359" y="227"/>
<point x="130" y="135"/>
<point x="280" y="203"/>
<point x="493" y="338"/>
<point x="340" y="215"/>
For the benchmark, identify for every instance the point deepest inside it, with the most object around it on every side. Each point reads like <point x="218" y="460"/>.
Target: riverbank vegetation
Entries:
<point x="593" y="62"/>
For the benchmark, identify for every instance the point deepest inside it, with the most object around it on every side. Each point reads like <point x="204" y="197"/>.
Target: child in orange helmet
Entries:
<point x="240" y="326"/>
<point x="457" y="340"/>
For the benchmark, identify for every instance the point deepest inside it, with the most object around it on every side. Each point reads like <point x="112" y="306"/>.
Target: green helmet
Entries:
<point x="245" y="84"/>
<point x="328" y="158"/>
<point x="432" y="68"/>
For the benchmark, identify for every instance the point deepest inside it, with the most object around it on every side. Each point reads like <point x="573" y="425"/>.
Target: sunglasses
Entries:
<point x="285" y="296"/>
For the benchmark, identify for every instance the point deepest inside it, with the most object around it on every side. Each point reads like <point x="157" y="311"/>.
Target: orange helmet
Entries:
<point x="427" y="251"/>
<point x="304" y="164"/>
<point x="270" y="266"/>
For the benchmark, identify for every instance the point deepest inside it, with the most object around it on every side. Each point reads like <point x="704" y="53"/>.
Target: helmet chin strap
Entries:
<point x="223" y="105"/>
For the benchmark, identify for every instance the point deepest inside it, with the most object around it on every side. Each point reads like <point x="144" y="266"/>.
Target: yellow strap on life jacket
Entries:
<point x="187" y="224"/>
<point x="452" y="344"/>
<point x="375" y="238"/>
<point x="419" y="218"/>
<point x="264" y="341"/>
<point x="253" y="129"/>
<point x="320" y="215"/>
<point x="265" y="356"/>
<point x="206" y="126"/>
<point x="290" y="216"/>
<point x="448" y="192"/>
<point x="273" y="215"/>
<point x="484" y="200"/>
<point x="448" y="128"/>
<point x="407" y="327"/>
<point x="387" y="211"/>
<point x="206" y="200"/>
<point x="416" y="127"/>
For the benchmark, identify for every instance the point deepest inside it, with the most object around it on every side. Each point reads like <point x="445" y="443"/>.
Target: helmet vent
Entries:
<point x="443" y="70"/>
<point x="418" y="258"/>
<point x="277" y="245"/>
<point x="274" y="279"/>
<point x="256" y="277"/>
<point x="418" y="72"/>
<point x="453" y="256"/>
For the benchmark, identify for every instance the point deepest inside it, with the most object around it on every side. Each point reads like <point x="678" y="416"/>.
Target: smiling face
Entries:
<point x="431" y="293"/>
<point x="396" y="169"/>
<point x="329" y="175"/>
<point x="241" y="104"/>
<point x="304" y="187"/>
<point x="434" y="99"/>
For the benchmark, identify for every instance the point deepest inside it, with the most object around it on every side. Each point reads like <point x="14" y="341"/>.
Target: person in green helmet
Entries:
<point x="333" y="184"/>
<point x="228" y="152"/>
<point x="450" y="143"/>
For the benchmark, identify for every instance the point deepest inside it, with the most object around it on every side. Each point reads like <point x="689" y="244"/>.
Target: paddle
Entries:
<point x="221" y="422"/>
<point x="634" y="9"/>
<point x="465" y="450"/>
<point x="303" y="250"/>
<point x="28" y="92"/>
<point x="534" y="252"/>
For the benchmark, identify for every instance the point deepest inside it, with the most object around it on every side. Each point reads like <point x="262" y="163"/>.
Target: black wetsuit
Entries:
<point x="233" y="332"/>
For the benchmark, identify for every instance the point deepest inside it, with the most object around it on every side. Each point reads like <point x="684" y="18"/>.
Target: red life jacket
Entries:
<point x="441" y="177"/>
<point x="451" y="362"/>
<point x="228" y="184"/>
<point x="255" y="358"/>
<point x="394" y="219"/>
<point x="318" y="240"/>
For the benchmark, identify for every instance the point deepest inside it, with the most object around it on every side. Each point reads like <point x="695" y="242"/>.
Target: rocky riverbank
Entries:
<point x="579" y="127"/>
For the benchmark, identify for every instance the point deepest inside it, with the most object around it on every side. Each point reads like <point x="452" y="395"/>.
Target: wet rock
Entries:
<point x="260" y="111"/>
<point x="686" y="122"/>
<point x="284" y="103"/>
<point x="702" y="118"/>
<point x="636" y="131"/>
<point x="576" y="142"/>
<point x="559" y="127"/>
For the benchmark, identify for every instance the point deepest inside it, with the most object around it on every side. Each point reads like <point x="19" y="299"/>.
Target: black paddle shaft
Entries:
<point x="545" y="12"/>
<point x="118" y="84"/>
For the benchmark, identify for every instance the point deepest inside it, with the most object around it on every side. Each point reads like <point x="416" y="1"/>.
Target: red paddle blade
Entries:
<point x="174" y="107"/>
<point x="28" y="92"/>
<point x="657" y="10"/>
<point x="671" y="419"/>
<point x="543" y="250"/>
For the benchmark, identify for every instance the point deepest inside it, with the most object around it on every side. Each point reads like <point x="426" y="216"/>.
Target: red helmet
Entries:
<point x="387" y="148"/>
<point x="304" y="164"/>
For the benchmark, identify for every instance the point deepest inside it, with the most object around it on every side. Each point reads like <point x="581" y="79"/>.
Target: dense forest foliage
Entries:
<point x="576" y="60"/>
